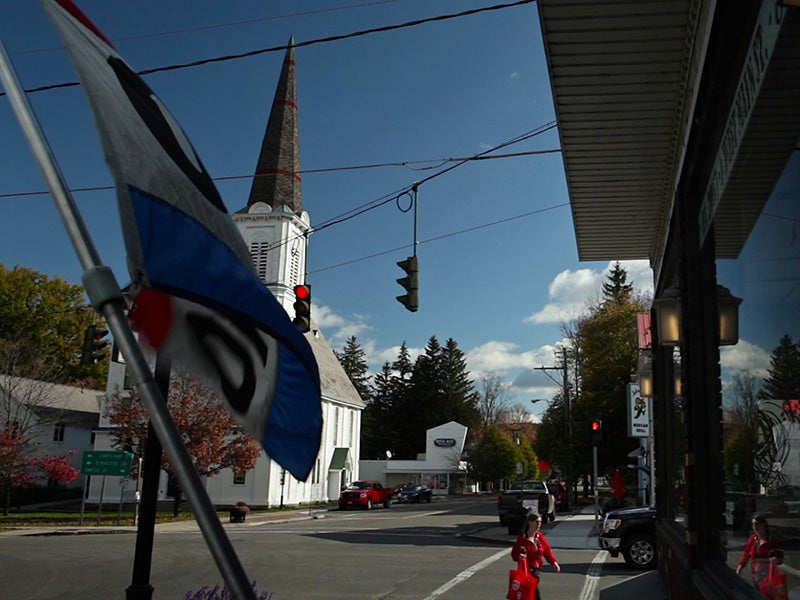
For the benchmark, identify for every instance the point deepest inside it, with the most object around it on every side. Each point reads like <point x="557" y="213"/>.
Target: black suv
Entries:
<point x="632" y="533"/>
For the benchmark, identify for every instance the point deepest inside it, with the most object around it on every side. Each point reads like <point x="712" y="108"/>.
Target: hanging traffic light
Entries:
<point x="302" y="307"/>
<point x="93" y="345"/>
<point x="410" y="283"/>
<point x="595" y="432"/>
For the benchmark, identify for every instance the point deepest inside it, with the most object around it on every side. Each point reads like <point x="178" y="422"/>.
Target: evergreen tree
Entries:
<point x="783" y="382"/>
<point x="354" y="362"/>
<point x="377" y="432"/>
<point x="459" y="400"/>
<point x="616" y="289"/>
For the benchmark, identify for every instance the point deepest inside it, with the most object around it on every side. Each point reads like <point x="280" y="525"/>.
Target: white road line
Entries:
<point x="467" y="573"/>
<point x="590" y="591"/>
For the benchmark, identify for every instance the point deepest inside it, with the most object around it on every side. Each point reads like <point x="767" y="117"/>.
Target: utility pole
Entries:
<point x="564" y="383"/>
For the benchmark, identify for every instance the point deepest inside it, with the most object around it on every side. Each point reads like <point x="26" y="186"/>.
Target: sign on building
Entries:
<point x="638" y="413"/>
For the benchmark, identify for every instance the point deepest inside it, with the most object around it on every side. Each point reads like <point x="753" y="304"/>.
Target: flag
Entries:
<point x="199" y="299"/>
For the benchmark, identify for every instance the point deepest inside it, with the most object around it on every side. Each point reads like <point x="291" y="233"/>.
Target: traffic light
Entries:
<point x="93" y="345"/>
<point x="595" y="432"/>
<point x="410" y="283"/>
<point x="302" y="307"/>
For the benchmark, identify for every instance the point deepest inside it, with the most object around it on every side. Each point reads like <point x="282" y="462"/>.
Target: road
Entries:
<point x="408" y="552"/>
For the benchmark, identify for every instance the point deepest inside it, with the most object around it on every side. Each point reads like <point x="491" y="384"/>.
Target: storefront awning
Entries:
<point x="339" y="459"/>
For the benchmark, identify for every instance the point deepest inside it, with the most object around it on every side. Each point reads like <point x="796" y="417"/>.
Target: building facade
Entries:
<point x="679" y="127"/>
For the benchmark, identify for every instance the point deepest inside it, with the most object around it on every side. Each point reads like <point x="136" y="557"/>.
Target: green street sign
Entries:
<point x="106" y="462"/>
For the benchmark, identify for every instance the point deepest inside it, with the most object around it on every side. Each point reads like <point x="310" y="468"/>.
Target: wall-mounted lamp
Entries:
<point x="645" y="372"/>
<point x="728" y="306"/>
<point x="668" y="318"/>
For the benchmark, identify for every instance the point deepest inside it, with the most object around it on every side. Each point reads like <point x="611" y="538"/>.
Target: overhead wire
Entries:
<point x="325" y="40"/>
<point x="406" y="164"/>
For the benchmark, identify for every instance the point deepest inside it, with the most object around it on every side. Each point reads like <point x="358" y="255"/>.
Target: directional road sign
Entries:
<point x="106" y="462"/>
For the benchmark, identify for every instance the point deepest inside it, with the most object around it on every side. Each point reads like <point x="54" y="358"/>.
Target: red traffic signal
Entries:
<point x="595" y="431"/>
<point x="302" y="307"/>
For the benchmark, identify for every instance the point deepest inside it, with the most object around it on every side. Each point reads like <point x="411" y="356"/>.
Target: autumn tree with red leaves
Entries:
<point x="208" y="430"/>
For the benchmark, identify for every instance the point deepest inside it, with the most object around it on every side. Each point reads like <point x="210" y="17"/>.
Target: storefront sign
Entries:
<point x="753" y="74"/>
<point x="638" y="413"/>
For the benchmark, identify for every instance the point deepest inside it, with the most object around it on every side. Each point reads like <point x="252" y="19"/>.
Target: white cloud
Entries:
<point x="570" y="291"/>
<point x="744" y="356"/>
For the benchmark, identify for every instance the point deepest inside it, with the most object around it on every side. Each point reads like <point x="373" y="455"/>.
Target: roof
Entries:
<point x="52" y="395"/>
<point x="625" y="77"/>
<point x="620" y="74"/>
<point x="277" y="180"/>
<point x="335" y="383"/>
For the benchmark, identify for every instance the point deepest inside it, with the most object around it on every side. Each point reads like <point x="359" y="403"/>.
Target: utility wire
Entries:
<point x="396" y="195"/>
<point x="333" y="38"/>
<point x="441" y="237"/>
<point x="406" y="164"/>
<point x="222" y="25"/>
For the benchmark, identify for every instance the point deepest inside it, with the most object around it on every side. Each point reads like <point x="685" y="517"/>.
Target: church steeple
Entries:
<point x="277" y="181"/>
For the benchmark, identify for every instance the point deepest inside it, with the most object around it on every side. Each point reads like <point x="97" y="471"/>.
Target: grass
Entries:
<point x="111" y="517"/>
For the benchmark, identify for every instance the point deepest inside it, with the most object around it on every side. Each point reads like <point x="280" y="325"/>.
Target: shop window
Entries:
<point x="761" y="382"/>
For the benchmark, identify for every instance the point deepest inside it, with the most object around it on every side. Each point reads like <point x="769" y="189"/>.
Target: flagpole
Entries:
<point x="107" y="298"/>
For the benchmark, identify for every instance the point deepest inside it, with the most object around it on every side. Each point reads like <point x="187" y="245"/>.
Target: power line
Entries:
<point x="325" y="40"/>
<point x="406" y="164"/>
<point x="442" y="237"/>
<point x="224" y="25"/>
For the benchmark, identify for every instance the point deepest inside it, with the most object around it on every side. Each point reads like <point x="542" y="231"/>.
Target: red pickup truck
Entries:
<point x="365" y="494"/>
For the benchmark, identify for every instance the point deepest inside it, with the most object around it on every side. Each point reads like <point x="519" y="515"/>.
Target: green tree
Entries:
<point x="493" y="458"/>
<point x="783" y="382"/>
<point x="354" y="362"/>
<point x="608" y="351"/>
<point x="43" y="321"/>
<point x="376" y="425"/>
<point x="616" y="289"/>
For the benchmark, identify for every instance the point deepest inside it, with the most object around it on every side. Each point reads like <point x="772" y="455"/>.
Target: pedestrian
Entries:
<point x="533" y="546"/>
<point x="757" y="550"/>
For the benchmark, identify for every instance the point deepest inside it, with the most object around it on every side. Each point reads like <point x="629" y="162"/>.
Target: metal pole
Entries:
<point x="594" y="491"/>
<point x="107" y="298"/>
<point x="140" y="587"/>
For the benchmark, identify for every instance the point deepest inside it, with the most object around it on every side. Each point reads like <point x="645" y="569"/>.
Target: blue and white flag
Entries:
<point x="200" y="300"/>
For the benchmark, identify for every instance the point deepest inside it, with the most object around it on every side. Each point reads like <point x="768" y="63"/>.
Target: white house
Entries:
<point x="61" y="418"/>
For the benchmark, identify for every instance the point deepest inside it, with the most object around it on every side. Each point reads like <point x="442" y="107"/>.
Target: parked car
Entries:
<point x="415" y="493"/>
<point x="632" y="533"/>
<point x="521" y="498"/>
<point x="559" y="491"/>
<point x="365" y="494"/>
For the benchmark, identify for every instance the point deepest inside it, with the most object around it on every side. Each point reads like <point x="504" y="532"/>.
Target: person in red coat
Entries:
<point x="757" y="550"/>
<point x="533" y="546"/>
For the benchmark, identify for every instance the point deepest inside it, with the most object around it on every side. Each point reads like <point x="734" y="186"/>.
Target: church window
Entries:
<point x="258" y="252"/>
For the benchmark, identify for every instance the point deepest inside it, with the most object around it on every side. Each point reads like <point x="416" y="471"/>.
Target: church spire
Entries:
<point x="277" y="181"/>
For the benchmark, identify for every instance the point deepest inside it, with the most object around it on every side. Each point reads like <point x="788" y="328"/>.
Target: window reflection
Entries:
<point x="761" y="383"/>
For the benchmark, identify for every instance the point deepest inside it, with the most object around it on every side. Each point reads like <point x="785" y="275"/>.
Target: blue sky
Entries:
<point x="498" y="263"/>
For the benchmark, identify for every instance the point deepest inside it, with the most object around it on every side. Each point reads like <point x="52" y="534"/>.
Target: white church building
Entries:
<point x="275" y="227"/>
